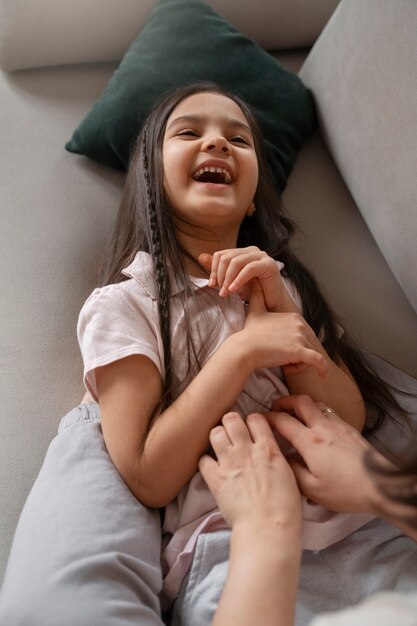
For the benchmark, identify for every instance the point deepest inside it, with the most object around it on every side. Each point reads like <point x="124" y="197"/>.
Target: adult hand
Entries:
<point x="258" y="496"/>
<point x="251" y="480"/>
<point x="280" y="339"/>
<point x="332" y="472"/>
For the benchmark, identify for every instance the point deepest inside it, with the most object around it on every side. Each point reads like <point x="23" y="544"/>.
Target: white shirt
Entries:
<point x="121" y="319"/>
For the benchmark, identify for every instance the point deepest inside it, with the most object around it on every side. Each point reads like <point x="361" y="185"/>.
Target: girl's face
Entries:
<point x="210" y="163"/>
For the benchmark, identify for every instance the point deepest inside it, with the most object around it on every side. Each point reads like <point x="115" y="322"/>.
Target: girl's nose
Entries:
<point x="217" y="144"/>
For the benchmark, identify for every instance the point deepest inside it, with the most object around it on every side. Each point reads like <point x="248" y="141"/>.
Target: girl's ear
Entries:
<point x="251" y="210"/>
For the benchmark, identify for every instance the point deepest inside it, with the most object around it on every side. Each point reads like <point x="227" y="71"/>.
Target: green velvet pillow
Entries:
<point x="185" y="41"/>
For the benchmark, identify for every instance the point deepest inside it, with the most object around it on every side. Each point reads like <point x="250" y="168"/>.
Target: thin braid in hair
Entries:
<point x="144" y="224"/>
<point x="161" y="273"/>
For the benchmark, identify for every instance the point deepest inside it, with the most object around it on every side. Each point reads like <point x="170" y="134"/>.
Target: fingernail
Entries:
<point x="232" y="287"/>
<point x="223" y="292"/>
<point x="211" y="281"/>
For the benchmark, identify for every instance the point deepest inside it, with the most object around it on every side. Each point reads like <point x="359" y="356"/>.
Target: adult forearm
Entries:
<point x="262" y="581"/>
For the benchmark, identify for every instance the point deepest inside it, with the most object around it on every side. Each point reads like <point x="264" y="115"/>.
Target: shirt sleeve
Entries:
<point x="115" y="322"/>
<point x="295" y="295"/>
<point x="290" y="287"/>
<point x="293" y="291"/>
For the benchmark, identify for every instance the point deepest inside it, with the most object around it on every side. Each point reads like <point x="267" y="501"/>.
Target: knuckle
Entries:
<point x="269" y="448"/>
<point x="316" y="437"/>
<point x="299" y="323"/>
<point x="251" y="266"/>
<point x="235" y="262"/>
<point x="293" y="317"/>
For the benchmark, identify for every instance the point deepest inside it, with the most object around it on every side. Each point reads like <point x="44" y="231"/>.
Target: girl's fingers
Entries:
<point x="205" y="260"/>
<point x="304" y="357"/>
<point x="230" y="262"/>
<point x="230" y="268"/>
<point x="217" y="274"/>
<point x="314" y="358"/>
<point x="243" y="268"/>
<point x="235" y="280"/>
<point x="294" y="368"/>
<point x="209" y="264"/>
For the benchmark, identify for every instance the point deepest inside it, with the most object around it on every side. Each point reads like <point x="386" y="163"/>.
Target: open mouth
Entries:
<point x="214" y="175"/>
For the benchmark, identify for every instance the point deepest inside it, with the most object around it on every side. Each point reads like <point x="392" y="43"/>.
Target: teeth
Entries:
<point x="219" y="170"/>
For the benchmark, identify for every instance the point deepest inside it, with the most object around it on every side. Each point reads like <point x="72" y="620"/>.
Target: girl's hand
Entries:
<point x="280" y="339"/>
<point x="251" y="479"/>
<point x="332" y="472"/>
<point x="232" y="270"/>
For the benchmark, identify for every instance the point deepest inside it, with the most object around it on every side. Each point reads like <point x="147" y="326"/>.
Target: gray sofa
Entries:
<point x="353" y="189"/>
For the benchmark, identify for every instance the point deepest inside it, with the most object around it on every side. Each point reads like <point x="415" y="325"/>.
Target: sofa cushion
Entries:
<point x="41" y="32"/>
<point x="185" y="41"/>
<point x="362" y="71"/>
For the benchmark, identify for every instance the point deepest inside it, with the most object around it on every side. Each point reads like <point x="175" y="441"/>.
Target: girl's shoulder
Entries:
<point x="118" y="293"/>
<point x="138" y="289"/>
<point x="121" y="309"/>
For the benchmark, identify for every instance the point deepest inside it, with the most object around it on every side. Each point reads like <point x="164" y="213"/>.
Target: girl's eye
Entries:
<point x="188" y="132"/>
<point x="239" y="139"/>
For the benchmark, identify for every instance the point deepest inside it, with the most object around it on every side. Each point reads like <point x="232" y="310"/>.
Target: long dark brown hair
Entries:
<point x="144" y="223"/>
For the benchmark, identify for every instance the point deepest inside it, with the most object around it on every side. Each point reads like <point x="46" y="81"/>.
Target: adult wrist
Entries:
<point x="285" y="537"/>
